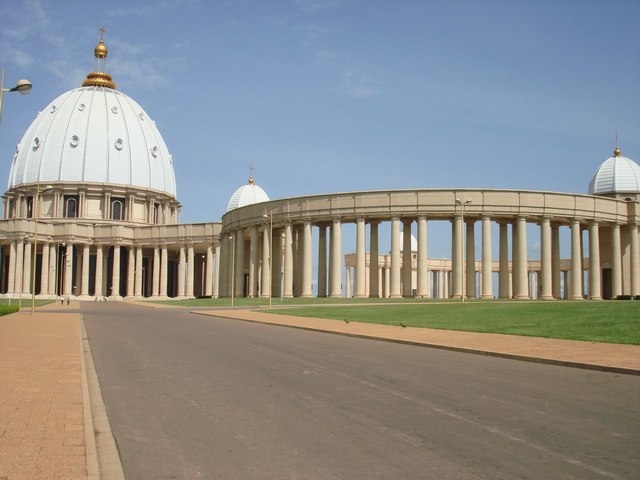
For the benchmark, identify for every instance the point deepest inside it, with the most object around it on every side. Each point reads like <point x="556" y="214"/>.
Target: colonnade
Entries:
<point x="114" y="271"/>
<point x="612" y="252"/>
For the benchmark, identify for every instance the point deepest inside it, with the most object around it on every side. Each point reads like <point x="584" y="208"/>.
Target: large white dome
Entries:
<point x="94" y="134"/>
<point x="247" y="195"/>
<point x="618" y="174"/>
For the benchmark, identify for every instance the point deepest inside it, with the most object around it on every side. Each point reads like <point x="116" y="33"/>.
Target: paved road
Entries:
<point x="191" y="396"/>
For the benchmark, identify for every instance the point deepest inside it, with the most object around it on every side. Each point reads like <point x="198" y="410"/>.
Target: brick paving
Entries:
<point x="593" y="355"/>
<point x="42" y="423"/>
<point x="45" y="413"/>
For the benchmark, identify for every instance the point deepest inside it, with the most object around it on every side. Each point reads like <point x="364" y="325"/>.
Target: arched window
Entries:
<point x="117" y="209"/>
<point x="70" y="206"/>
<point x="29" y="207"/>
<point x="156" y="210"/>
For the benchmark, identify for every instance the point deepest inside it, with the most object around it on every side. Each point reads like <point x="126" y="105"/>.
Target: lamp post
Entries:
<point x="34" y="254"/>
<point x="22" y="86"/>
<point x="270" y="217"/>
<point x="462" y="236"/>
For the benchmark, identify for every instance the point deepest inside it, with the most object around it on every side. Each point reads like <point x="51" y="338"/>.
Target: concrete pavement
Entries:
<point x="48" y="419"/>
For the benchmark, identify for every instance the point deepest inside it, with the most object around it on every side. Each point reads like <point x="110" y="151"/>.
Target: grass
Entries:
<point x="605" y="321"/>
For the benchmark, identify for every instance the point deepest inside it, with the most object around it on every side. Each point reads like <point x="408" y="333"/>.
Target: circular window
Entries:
<point x="36" y="143"/>
<point x="74" y="141"/>
<point x="81" y="107"/>
<point x="154" y="151"/>
<point x="114" y="109"/>
<point x="119" y="144"/>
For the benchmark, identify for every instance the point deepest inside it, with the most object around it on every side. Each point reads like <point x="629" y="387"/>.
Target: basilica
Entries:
<point x="91" y="213"/>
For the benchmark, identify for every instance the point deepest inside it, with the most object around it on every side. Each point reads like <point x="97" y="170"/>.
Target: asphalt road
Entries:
<point x="191" y="396"/>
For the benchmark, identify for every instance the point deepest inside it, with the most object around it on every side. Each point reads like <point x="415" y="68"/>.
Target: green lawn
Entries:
<point x="606" y="321"/>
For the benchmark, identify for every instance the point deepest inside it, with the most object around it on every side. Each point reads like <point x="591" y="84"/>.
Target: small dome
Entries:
<point x="247" y="195"/>
<point x="618" y="174"/>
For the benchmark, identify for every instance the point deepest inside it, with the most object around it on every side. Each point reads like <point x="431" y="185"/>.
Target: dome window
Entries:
<point x="119" y="144"/>
<point x="53" y="109"/>
<point x="70" y="206"/>
<point x="154" y="151"/>
<point x="81" y="107"/>
<point x="117" y="208"/>
<point x="114" y="109"/>
<point x="36" y="143"/>
<point x="74" y="141"/>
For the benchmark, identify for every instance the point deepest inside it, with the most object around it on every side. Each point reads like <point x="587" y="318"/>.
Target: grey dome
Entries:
<point x="618" y="174"/>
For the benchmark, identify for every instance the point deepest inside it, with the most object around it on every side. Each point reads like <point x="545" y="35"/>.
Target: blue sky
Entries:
<point x="324" y="96"/>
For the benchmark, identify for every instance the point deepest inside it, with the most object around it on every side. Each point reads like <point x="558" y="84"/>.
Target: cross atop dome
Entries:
<point x="100" y="78"/>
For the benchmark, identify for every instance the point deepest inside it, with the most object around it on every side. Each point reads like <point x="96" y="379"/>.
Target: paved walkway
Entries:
<point x="46" y="423"/>
<point x="42" y="405"/>
<point x="597" y="356"/>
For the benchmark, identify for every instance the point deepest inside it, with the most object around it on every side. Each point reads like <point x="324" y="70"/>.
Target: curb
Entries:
<point x="475" y="351"/>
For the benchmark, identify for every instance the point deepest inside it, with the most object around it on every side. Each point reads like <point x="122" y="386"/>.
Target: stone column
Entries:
<point x="546" y="291"/>
<point x="182" y="266"/>
<point x="115" y="281"/>
<point x="215" y="292"/>
<point x="239" y="268"/>
<point x="164" y="267"/>
<point x="394" y="281"/>
<point x="13" y="267"/>
<point x="407" y="263"/>
<point x="131" y="271"/>
<point x="503" y="275"/>
<point x="53" y="269"/>
<point x="422" y="287"/>
<point x="155" y="288"/>
<point x="254" y="264"/>
<point x="190" y="272"/>
<point x="616" y="262"/>
<point x="84" y="284"/>
<point x="576" y="262"/>
<point x="287" y="288"/>
<point x="361" y="257"/>
<point x="456" y="256"/>
<point x="99" y="265"/>
<point x="139" y="276"/>
<point x="335" y="270"/>
<point x="374" y="268"/>
<point x="487" y="262"/>
<point x="44" y="270"/>
<point x="307" y="261"/>
<point x="322" y="261"/>
<point x="555" y="261"/>
<point x="635" y="260"/>
<point x="208" y="278"/>
<point x="521" y="259"/>
<point x="265" y="285"/>
<point x="595" y="280"/>
<point x="470" y="270"/>
<point x="26" y="269"/>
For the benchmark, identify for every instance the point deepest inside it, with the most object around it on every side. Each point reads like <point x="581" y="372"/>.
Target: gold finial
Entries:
<point x="100" y="78"/>
<point x="617" y="152"/>
<point x="251" y="169"/>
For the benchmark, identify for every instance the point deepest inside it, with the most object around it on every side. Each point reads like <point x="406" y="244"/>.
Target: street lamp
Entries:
<point x="34" y="255"/>
<point x="270" y="217"/>
<point x="462" y="236"/>
<point x="23" y="87"/>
